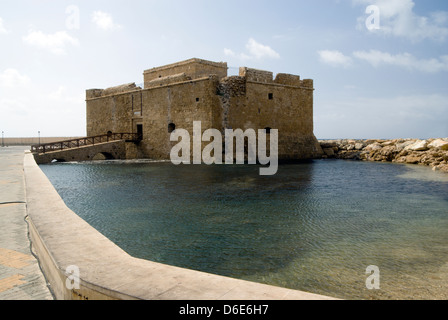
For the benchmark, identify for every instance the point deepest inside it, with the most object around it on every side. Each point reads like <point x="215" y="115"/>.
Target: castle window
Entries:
<point x="197" y="99"/>
<point x="271" y="96"/>
<point x="267" y="130"/>
<point x="171" y="127"/>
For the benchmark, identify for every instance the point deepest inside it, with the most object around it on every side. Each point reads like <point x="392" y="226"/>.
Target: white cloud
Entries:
<point x="378" y="58"/>
<point x="334" y="58"/>
<point x="399" y="19"/>
<point x="259" y="50"/>
<point x="104" y="21"/>
<point x="404" y="60"/>
<point x="255" y="50"/>
<point x="55" y="43"/>
<point x="3" y="29"/>
<point x="229" y="52"/>
<point x="11" y="78"/>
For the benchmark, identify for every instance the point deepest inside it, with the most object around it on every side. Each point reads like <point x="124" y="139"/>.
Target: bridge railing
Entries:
<point x="81" y="142"/>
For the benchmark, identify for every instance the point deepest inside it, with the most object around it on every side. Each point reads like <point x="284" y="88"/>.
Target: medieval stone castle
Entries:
<point x="176" y="95"/>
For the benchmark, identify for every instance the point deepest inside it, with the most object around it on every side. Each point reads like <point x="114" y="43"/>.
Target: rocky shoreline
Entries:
<point x="431" y="152"/>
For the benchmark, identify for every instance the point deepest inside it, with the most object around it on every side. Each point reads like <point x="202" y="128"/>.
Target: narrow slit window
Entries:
<point x="140" y="132"/>
<point x="271" y="96"/>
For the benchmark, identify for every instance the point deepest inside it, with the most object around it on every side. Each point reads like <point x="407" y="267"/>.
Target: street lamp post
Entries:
<point x="38" y="133"/>
<point x="3" y="139"/>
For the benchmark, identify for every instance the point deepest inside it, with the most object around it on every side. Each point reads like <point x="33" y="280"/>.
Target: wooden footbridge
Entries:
<point x="107" y="146"/>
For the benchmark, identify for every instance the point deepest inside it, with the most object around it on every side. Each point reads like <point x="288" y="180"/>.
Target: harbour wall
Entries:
<point x="82" y="264"/>
<point x="29" y="141"/>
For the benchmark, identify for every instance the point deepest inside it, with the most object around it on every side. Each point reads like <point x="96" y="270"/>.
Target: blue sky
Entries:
<point x="389" y="82"/>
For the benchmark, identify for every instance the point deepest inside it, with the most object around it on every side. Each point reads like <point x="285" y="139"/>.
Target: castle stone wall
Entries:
<point x="182" y="93"/>
<point x="286" y="108"/>
<point x="180" y="104"/>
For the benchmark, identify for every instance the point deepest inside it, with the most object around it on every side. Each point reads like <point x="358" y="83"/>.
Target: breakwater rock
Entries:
<point x="431" y="152"/>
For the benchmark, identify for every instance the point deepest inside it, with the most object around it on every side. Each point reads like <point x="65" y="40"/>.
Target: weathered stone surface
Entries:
<point x="429" y="152"/>
<point x="388" y="143"/>
<point x="439" y="143"/>
<point x="402" y="145"/>
<point x="412" y="159"/>
<point x="359" y="146"/>
<point x="420" y="145"/>
<point x="374" y="147"/>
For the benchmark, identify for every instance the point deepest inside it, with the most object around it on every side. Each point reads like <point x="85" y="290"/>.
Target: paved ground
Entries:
<point x="20" y="275"/>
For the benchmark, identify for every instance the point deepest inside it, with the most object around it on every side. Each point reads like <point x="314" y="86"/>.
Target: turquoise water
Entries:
<point x="314" y="226"/>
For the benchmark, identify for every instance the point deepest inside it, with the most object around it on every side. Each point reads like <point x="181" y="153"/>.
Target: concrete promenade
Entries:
<point x="20" y="275"/>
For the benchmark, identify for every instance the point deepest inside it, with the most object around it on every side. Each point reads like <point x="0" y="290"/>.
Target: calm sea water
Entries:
<point x="314" y="226"/>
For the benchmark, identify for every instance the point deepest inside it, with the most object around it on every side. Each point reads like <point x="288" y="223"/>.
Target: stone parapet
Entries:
<point x="257" y="75"/>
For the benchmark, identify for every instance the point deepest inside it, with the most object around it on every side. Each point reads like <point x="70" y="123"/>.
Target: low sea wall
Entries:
<point x="8" y="142"/>
<point x="81" y="264"/>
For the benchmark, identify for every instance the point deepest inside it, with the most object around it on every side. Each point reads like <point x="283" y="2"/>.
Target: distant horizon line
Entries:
<point x="319" y="139"/>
